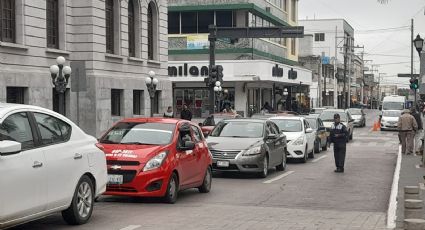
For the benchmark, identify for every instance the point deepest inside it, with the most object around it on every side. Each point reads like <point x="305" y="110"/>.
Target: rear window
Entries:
<point x="139" y="134"/>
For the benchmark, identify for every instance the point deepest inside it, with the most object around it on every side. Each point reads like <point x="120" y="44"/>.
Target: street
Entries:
<point x="304" y="196"/>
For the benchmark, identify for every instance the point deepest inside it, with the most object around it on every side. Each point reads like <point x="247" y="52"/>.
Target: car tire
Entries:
<point x="325" y="148"/>
<point x="282" y="165"/>
<point x="351" y="136"/>
<point x="172" y="190"/>
<point x="312" y="153"/>
<point x="305" y="158"/>
<point x="317" y="146"/>
<point x="83" y="196"/>
<point x="265" y="171"/>
<point x="206" y="184"/>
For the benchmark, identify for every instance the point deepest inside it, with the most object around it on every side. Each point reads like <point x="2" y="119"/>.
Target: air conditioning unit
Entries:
<point x="267" y="9"/>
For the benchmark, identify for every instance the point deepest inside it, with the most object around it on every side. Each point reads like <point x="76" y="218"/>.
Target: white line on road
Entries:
<point x="318" y="159"/>
<point x="392" y="207"/>
<point x="278" y="177"/>
<point x="131" y="227"/>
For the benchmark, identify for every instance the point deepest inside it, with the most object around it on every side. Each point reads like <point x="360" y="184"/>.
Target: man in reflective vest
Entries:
<point x="339" y="136"/>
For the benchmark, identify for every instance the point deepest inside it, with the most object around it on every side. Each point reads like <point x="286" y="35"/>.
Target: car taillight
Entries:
<point x="99" y="146"/>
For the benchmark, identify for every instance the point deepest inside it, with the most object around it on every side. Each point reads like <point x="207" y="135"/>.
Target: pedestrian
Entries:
<point x="169" y="113"/>
<point x="339" y="137"/>
<point x="186" y="114"/>
<point x="418" y="132"/>
<point x="407" y="127"/>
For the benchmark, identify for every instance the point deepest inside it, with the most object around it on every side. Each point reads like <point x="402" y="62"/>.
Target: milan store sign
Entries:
<point x="186" y="70"/>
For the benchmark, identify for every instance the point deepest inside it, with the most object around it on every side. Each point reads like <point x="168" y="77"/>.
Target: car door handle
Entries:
<point x="78" y="156"/>
<point x="37" y="164"/>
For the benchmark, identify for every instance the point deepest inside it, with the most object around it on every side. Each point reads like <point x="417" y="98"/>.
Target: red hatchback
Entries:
<point x="156" y="157"/>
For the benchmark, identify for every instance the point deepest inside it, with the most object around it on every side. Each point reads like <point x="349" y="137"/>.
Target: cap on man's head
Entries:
<point x="336" y="115"/>
<point x="406" y="111"/>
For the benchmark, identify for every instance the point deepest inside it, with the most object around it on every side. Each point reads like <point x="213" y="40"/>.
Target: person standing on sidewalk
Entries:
<point x="407" y="126"/>
<point x="418" y="133"/>
<point x="186" y="114"/>
<point x="339" y="137"/>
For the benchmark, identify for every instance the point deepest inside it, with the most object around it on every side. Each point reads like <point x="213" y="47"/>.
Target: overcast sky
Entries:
<point x="384" y="29"/>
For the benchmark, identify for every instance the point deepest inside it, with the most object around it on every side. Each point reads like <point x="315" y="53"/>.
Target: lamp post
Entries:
<point x="218" y="90"/>
<point x="151" y="83"/>
<point x="419" y="44"/>
<point x="60" y="76"/>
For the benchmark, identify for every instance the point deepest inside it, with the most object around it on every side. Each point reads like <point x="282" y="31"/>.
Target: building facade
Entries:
<point x="111" y="46"/>
<point x="255" y="70"/>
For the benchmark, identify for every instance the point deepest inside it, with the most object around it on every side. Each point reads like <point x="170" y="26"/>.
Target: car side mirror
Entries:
<point x="10" y="147"/>
<point x="309" y="130"/>
<point x="272" y="136"/>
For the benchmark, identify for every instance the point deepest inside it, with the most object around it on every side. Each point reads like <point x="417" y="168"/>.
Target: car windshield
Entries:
<point x="355" y="111"/>
<point x="391" y="113"/>
<point x="391" y="105"/>
<point x="244" y="129"/>
<point x="327" y="116"/>
<point x="139" y="133"/>
<point x="312" y="122"/>
<point x="287" y="125"/>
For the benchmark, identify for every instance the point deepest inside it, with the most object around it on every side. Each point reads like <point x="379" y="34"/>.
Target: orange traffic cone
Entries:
<point x="376" y="126"/>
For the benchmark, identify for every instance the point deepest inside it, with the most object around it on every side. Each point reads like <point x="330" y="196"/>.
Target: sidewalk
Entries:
<point x="411" y="174"/>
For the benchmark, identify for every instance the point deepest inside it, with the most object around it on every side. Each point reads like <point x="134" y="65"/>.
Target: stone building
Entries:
<point x="112" y="45"/>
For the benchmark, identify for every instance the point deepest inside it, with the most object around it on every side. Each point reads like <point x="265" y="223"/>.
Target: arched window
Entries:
<point x="152" y="30"/>
<point x="109" y="26"/>
<point x="131" y="29"/>
<point x="52" y="23"/>
<point x="7" y="21"/>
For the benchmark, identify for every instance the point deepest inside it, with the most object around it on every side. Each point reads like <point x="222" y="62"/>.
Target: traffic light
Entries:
<point x="292" y="74"/>
<point x="414" y="83"/>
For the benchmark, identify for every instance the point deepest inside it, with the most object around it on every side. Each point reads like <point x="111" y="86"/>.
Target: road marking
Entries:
<point x="392" y="207"/>
<point x="318" y="159"/>
<point x="278" y="177"/>
<point x="131" y="227"/>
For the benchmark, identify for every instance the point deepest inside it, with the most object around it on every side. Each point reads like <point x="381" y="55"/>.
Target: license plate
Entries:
<point x="222" y="164"/>
<point x="115" y="179"/>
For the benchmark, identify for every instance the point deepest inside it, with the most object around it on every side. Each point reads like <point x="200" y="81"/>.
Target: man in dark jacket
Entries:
<point x="339" y="137"/>
<point x="418" y="132"/>
<point x="186" y="114"/>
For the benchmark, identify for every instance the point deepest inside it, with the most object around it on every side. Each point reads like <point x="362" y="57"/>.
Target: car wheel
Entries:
<point x="172" y="190"/>
<point x="206" y="184"/>
<point x="311" y="154"/>
<point x="317" y="146"/>
<point x="265" y="172"/>
<point x="325" y="148"/>
<point x="82" y="202"/>
<point x="304" y="159"/>
<point x="351" y="136"/>
<point x="282" y="166"/>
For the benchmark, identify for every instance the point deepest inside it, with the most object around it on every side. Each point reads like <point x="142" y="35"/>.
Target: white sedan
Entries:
<point x="47" y="165"/>
<point x="299" y="135"/>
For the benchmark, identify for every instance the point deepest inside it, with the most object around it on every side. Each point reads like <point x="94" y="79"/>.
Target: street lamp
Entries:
<point x="151" y="83"/>
<point x="419" y="44"/>
<point x="218" y="90"/>
<point x="60" y="76"/>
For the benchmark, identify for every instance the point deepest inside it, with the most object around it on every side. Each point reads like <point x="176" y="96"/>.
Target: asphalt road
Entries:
<point x="304" y="196"/>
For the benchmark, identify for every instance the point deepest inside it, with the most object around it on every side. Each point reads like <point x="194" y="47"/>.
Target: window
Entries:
<point x="52" y="23"/>
<point x="224" y="18"/>
<point x="15" y="95"/>
<point x="7" y="20"/>
<point x="152" y="25"/>
<point x="52" y="129"/>
<point x="109" y="27"/>
<point x="204" y="20"/>
<point x="116" y="96"/>
<point x="319" y="37"/>
<point x="293" y="46"/>
<point x="138" y="102"/>
<point x="131" y="30"/>
<point x="197" y="134"/>
<point x="189" y="22"/>
<point x="174" y="22"/>
<point x="293" y="10"/>
<point x="17" y="128"/>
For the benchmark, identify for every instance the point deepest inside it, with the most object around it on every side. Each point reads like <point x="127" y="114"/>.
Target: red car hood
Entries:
<point x="141" y="153"/>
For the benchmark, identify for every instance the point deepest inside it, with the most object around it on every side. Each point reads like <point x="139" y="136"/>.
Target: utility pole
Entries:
<point x="411" y="60"/>
<point x="336" y="69"/>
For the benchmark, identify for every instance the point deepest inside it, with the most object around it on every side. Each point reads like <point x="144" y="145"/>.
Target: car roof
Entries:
<point x="286" y="118"/>
<point x="335" y="110"/>
<point x="247" y="119"/>
<point x="154" y="120"/>
<point x="7" y="107"/>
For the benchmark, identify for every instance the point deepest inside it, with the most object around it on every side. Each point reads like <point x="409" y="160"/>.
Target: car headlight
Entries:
<point x="252" y="151"/>
<point x="299" y="141"/>
<point x="156" y="161"/>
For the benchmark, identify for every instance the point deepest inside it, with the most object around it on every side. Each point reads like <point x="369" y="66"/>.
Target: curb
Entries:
<point x="392" y="206"/>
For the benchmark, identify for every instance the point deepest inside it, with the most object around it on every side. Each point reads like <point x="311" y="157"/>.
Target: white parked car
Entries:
<point x="389" y="120"/>
<point x="299" y="135"/>
<point x="47" y="165"/>
<point x="328" y="119"/>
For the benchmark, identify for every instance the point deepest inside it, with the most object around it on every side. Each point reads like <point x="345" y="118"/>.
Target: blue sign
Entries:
<point x="326" y="60"/>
